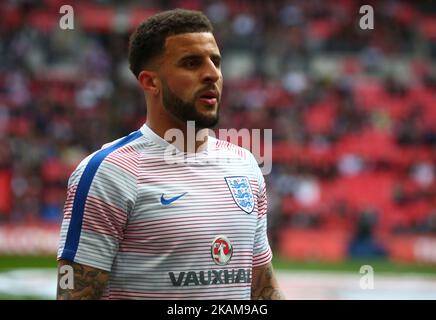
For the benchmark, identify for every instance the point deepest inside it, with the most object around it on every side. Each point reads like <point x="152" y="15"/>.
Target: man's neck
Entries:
<point x="184" y="137"/>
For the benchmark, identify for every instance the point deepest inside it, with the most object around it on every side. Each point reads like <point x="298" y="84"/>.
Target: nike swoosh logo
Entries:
<point x="170" y="200"/>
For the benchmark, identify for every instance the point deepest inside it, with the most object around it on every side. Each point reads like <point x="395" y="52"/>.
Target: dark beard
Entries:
<point x="186" y="111"/>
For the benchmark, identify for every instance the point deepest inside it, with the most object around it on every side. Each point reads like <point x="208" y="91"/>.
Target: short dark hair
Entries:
<point x="148" y="40"/>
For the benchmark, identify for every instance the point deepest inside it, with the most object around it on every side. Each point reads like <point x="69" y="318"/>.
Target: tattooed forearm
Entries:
<point x="264" y="284"/>
<point x="89" y="282"/>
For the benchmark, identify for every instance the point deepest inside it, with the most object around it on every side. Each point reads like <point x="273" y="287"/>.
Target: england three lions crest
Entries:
<point x="241" y="191"/>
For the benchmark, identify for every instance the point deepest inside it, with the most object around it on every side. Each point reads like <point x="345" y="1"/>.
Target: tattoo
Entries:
<point x="89" y="282"/>
<point x="264" y="284"/>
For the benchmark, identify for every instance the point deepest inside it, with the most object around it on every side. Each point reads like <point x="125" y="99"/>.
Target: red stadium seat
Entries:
<point x="313" y="245"/>
<point x="95" y="18"/>
<point x="44" y="20"/>
<point x="370" y="144"/>
<point x="320" y="118"/>
<point x="366" y="189"/>
<point x="427" y="26"/>
<point x="322" y="28"/>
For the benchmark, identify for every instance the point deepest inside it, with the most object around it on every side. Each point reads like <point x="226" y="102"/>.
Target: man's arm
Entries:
<point x="264" y="285"/>
<point x="89" y="282"/>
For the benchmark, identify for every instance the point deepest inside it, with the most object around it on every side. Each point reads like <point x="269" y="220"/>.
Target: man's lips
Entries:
<point x="209" y="97"/>
<point x="209" y="101"/>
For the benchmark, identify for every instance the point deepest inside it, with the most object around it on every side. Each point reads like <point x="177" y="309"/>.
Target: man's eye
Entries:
<point x="217" y="62"/>
<point x="190" y="63"/>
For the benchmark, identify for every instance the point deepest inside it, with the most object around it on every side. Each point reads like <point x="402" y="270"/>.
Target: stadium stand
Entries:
<point x="353" y="111"/>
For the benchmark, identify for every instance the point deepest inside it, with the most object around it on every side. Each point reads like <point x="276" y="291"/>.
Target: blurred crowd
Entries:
<point x="352" y="111"/>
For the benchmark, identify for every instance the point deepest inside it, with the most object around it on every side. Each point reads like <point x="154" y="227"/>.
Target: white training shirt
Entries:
<point x="190" y="228"/>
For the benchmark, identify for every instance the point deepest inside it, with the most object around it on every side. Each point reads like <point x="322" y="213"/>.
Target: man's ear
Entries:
<point x="149" y="81"/>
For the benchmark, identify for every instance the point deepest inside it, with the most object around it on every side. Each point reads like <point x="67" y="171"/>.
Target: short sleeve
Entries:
<point x="100" y="196"/>
<point x="262" y="253"/>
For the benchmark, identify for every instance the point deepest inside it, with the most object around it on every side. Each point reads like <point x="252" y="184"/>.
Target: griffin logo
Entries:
<point x="221" y="250"/>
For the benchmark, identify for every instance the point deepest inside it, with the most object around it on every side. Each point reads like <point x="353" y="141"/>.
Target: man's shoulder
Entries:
<point x="133" y="140"/>
<point x="118" y="152"/>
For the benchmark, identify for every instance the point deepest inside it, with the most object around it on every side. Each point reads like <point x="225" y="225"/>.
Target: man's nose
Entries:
<point x="211" y="72"/>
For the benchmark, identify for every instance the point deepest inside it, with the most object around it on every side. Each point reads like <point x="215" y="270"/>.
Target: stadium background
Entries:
<point x="352" y="111"/>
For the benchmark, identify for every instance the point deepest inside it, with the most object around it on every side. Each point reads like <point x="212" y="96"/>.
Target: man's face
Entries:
<point x="191" y="78"/>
